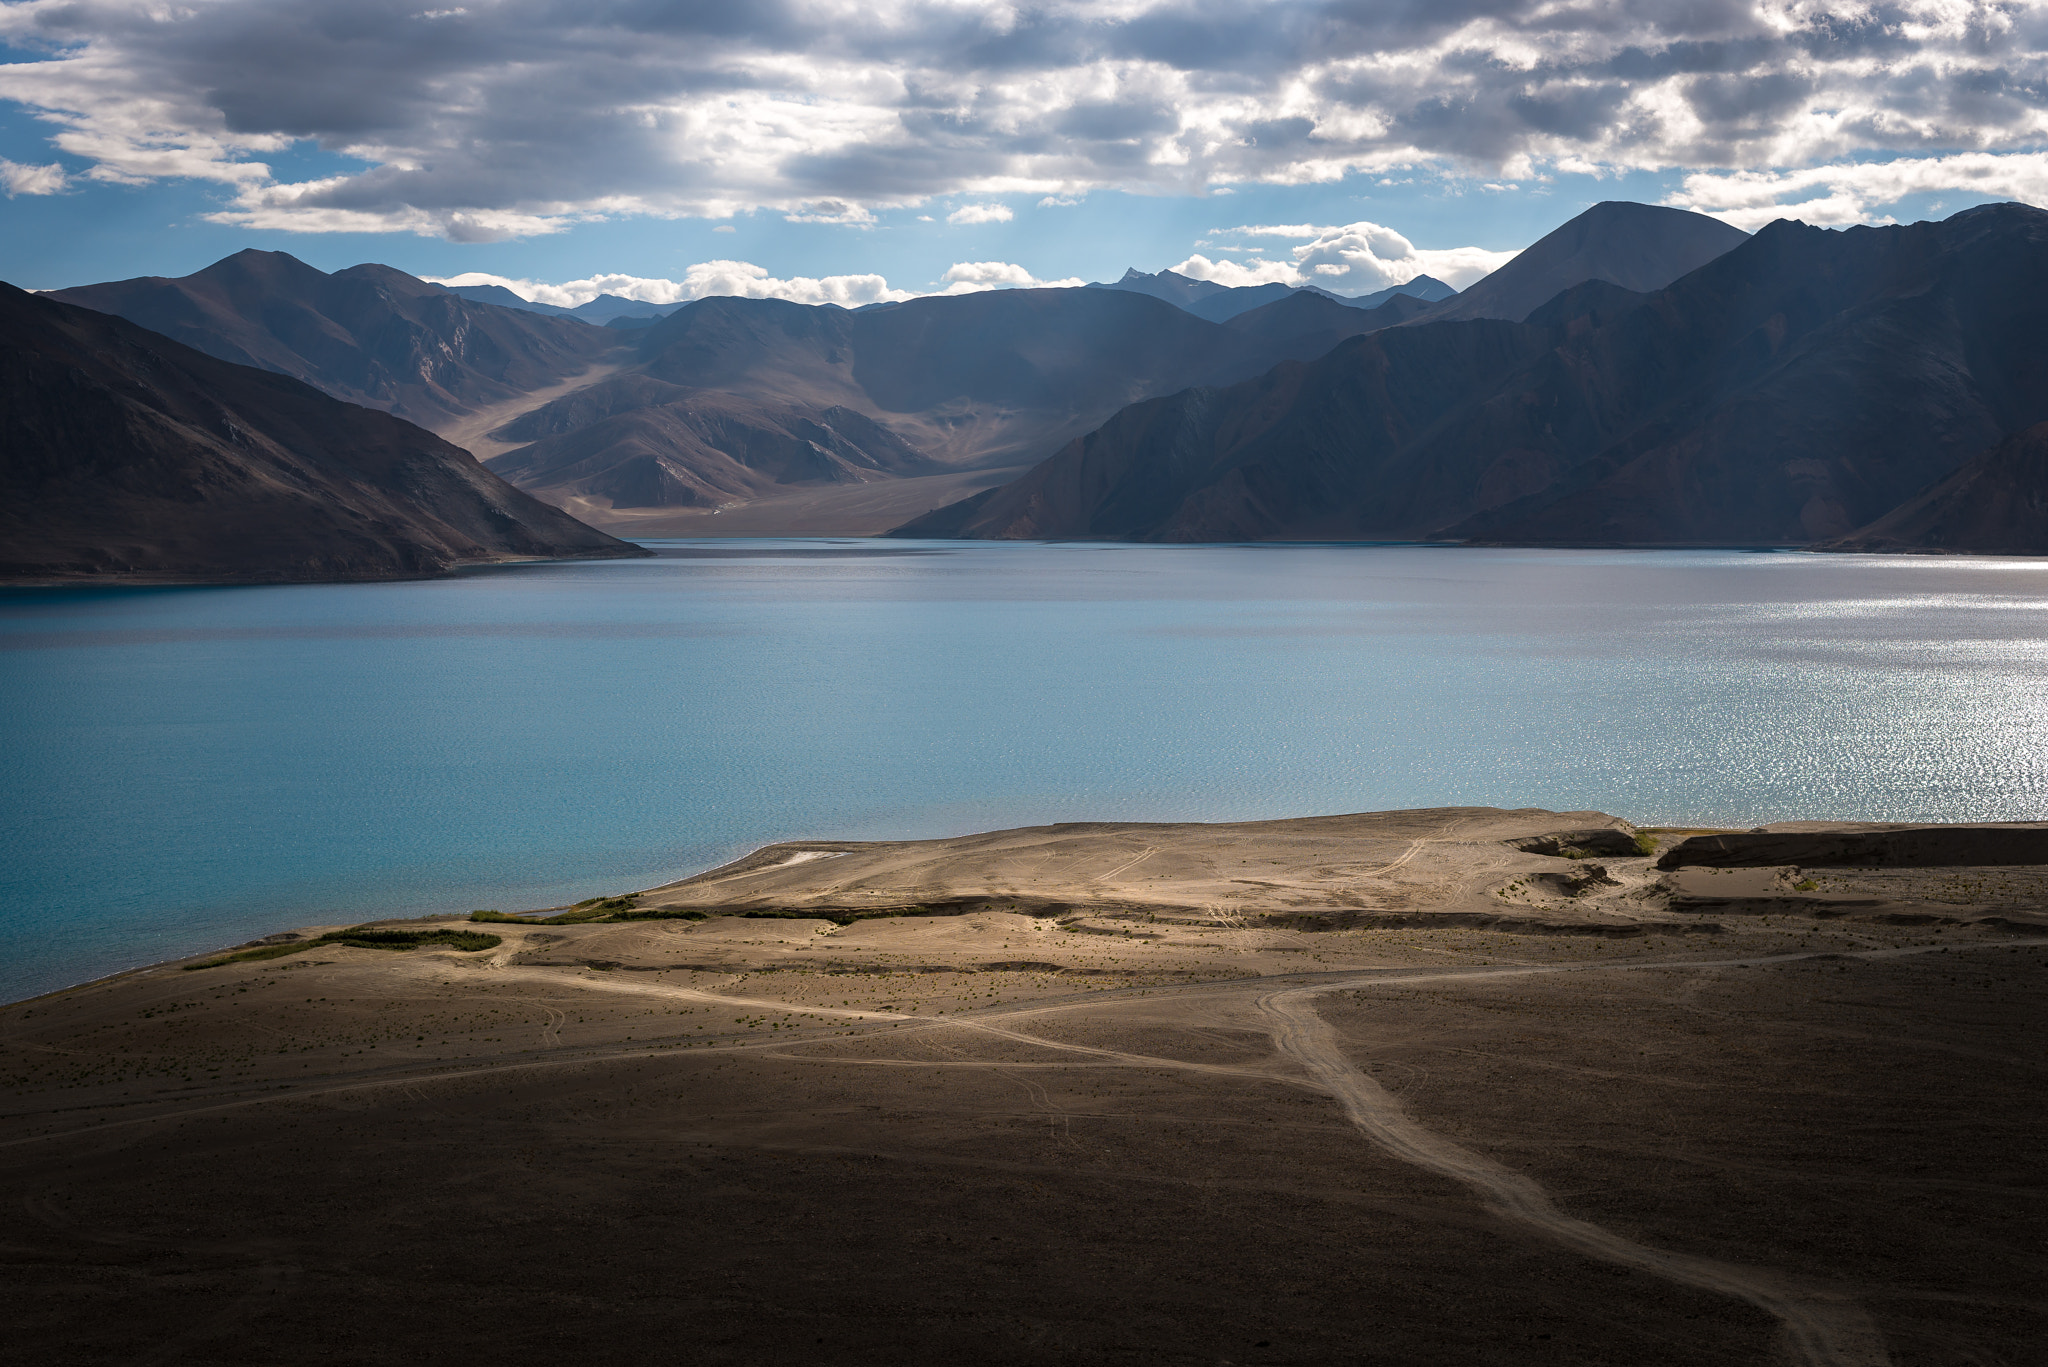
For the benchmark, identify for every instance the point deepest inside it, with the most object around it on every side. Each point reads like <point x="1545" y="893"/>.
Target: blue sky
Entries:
<point x="827" y="150"/>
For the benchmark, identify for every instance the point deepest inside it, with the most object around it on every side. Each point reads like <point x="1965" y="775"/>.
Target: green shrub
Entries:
<point x="1645" y="844"/>
<point x="469" y="941"/>
<point x="364" y="937"/>
<point x="590" y="909"/>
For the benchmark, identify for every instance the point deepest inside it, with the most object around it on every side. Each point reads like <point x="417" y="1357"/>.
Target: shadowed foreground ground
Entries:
<point x="1072" y="1137"/>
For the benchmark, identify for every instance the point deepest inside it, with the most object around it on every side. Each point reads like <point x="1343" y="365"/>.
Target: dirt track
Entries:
<point x="1001" y="1137"/>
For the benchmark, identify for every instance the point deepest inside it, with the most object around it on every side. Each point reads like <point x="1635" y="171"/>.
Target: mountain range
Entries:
<point x="1788" y="391"/>
<point x="600" y="310"/>
<point x="724" y="403"/>
<point x="370" y="335"/>
<point x="729" y="400"/>
<point x="1221" y="303"/>
<point x="1639" y="376"/>
<point x="125" y="457"/>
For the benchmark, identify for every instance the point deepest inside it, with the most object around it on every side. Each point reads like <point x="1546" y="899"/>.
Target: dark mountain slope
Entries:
<point x="1997" y="504"/>
<point x="1306" y="450"/>
<point x="1640" y="247"/>
<point x="1799" y="386"/>
<point x="1307" y="324"/>
<point x="125" y="456"/>
<point x="369" y="334"/>
<point x="731" y="397"/>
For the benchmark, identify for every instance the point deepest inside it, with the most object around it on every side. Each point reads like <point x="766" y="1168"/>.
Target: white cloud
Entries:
<point x="1237" y="273"/>
<point x="725" y="228"/>
<point x="519" y="119"/>
<point x="748" y="281"/>
<point x="707" y="278"/>
<point x="840" y="211"/>
<point x="980" y="213"/>
<point x="31" y="180"/>
<point x="971" y="277"/>
<point x="1059" y="201"/>
<point x="1358" y="258"/>
<point x="1838" y="195"/>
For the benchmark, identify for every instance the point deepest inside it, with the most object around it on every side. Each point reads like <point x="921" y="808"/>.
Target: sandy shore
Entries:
<point x="1454" y="1086"/>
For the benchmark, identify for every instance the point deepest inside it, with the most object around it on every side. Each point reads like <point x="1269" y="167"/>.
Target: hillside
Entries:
<point x="126" y="457"/>
<point x="1996" y="504"/>
<point x="370" y="335"/>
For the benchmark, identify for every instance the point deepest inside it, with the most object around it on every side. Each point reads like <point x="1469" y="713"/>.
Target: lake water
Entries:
<point x="186" y="768"/>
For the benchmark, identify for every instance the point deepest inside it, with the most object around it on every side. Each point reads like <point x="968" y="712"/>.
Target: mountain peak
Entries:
<point x="1641" y="247"/>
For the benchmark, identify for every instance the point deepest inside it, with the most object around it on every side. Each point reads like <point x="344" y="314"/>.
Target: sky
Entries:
<point x="850" y="151"/>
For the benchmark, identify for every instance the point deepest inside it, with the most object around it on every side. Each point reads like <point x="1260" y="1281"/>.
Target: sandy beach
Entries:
<point x="1461" y="1085"/>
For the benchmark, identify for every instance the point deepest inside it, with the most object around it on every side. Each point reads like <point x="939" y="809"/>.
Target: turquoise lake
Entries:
<point x="191" y="767"/>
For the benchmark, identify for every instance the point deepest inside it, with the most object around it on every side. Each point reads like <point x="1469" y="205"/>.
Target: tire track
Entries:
<point x="1824" y="1329"/>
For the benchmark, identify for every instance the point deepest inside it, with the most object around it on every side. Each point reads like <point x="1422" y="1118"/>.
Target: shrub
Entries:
<point x="365" y="937"/>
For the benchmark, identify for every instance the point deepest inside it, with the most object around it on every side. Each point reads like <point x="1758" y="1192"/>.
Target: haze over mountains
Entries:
<point x="125" y="456"/>
<point x="1788" y="391"/>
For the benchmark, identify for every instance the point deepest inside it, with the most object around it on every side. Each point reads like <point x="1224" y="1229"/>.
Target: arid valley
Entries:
<point x="1461" y="1085"/>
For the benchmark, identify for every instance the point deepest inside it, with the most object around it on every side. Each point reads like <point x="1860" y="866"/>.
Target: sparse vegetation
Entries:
<point x="363" y="937"/>
<point x="1646" y="844"/>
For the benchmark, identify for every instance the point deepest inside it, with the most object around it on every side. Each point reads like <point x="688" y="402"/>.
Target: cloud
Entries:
<point x="972" y="277"/>
<point x="1834" y="196"/>
<point x="31" y="180"/>
<point x="707" y="278"/>
<point x="748" y="281"/>
<point x="1358" y="258"/>
<point x="980" y="213"/>
<point x="522" y="117"/>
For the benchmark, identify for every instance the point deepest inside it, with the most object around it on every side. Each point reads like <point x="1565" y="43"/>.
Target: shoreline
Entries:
<point x="1132" y="1074"/>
